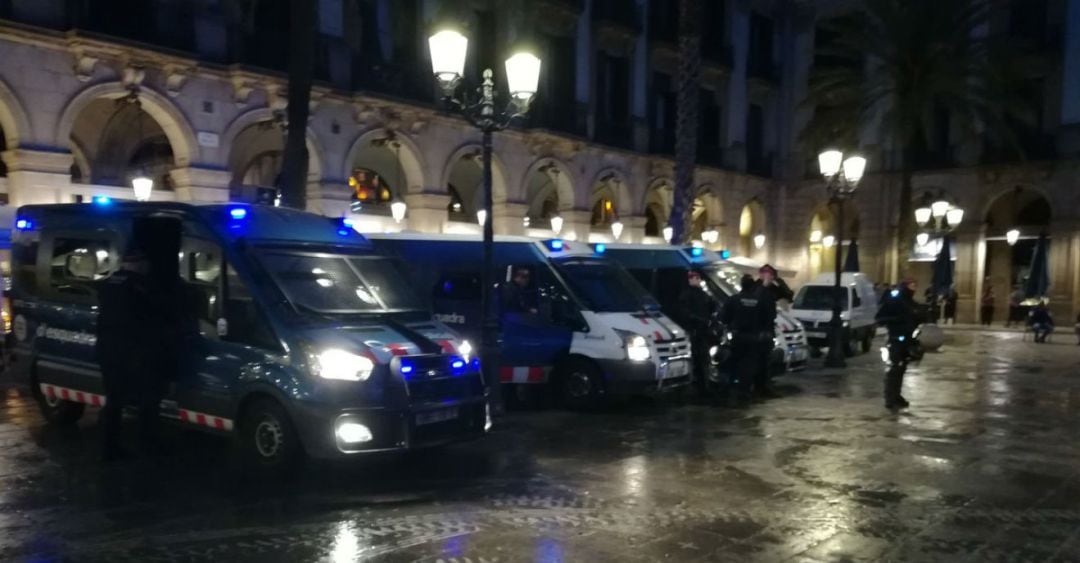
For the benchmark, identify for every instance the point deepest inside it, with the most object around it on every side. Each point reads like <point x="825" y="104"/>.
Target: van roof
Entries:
<point x="686" y="255"/>
<point x="545" y="246"/>
<point x="230" y="220"/>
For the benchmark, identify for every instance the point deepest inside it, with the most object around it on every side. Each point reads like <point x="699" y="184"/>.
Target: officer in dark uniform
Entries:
<point x="694" y="312"/>
<point x="750" y="315"/>
<point x="146" y="319"/>
<point x="770" y="279"/>
<point x="898" y="312"/>
<point x="519" y="296"/>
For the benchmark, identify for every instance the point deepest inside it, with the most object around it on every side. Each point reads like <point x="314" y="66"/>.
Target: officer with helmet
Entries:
<point x="751" y="317"/>
<point x="898" y="312"/>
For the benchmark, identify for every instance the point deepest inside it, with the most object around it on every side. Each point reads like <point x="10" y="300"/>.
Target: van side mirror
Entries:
<point x="222" y="328"/>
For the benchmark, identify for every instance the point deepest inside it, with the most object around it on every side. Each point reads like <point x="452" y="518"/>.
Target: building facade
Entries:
<point x="595" y="149"/>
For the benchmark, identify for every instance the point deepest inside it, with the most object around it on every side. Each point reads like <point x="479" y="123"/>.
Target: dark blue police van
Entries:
<point x="310" y="341"/>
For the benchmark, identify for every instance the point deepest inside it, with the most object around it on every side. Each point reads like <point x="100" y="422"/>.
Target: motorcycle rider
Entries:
<point x="898" y="314"/>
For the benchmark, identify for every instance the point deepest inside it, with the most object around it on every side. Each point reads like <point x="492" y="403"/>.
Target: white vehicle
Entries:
<point x="858" y="305"/>
<point x="578" y="320"/>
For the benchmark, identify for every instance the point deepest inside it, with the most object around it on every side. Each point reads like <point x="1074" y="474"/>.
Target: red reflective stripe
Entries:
<point x="644" y="320"/>
<point x="64" y="393"/>
<point x="219" y="423"/>
<point x="506" y="374"/>
<point x="658" y="336"/>
<point x="398" y="349"/>
<point x="79" y="397"/>
<point x="50" y="391"/>
<point x="536" y="375"/>
<point x="201" y="419"/>
<point x="448" y="346"/>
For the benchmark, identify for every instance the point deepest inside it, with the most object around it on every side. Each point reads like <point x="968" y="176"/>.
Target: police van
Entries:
<point x="590" y="331"/>
<point x="310" y="341"/>
<point x="663" y="270"/>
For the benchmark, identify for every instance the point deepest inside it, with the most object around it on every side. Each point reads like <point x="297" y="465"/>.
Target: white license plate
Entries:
<point x="677" y="369"/>
<point x="815" y="335"/>
<point x="433" y="417"/>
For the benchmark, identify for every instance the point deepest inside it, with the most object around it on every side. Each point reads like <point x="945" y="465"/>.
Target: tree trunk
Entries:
<point x="302" y="22"/>
<point x="686" y="121"/>
<point x="905" y="223"/>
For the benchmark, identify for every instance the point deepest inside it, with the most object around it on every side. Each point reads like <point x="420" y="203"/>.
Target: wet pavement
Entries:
<point x="985" y="466"/>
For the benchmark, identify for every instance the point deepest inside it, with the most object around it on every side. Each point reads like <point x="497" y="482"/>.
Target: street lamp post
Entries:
<point x="842" y="177"/>
<point x="448" y="49"/>
<point x="937" y="217"/>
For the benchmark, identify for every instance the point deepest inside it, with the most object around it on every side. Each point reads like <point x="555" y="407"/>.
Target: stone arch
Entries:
<point x="14" y="120"/>
<point x="549" y="189"/>
<point x="1020" y="195"/>
<point x="1030" y="211"/>
<point x="752" y="222"/>
<point x="246" y="120"/>
<point x="164" y="112"/>
<point x="657" y="205"/>
<point x="409" y="156"/>
<point x="462" y="178"/>
<point x="704" y="212"/>
<point x="609" y="197"/>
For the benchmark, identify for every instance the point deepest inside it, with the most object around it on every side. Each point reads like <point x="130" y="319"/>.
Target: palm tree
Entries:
<point x="895" y="66"/>
<point x="302" y="28"/>
<point x="686" y="119"/>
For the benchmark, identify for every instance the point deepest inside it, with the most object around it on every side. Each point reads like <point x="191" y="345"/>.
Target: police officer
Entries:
<point x="694" y="312"/>
<point x="519" y="296"/>
<point x="751" y="317"/>
<point x="770" y="279"/>
<point x="898" y="312"/>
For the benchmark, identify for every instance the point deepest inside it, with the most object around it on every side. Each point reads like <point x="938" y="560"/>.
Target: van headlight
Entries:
<point x="637" y="348"/>
<point x="465" y="349"/>
<point x="345" y="366"/>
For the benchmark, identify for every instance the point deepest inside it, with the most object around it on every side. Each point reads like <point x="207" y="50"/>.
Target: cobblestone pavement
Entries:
<point x="985" y="466"/>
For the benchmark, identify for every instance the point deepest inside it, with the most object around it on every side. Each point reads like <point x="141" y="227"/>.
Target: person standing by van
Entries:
<point x="770" y="279"/>
<point x="694" y="313"/>
<point x="751" y="317"/>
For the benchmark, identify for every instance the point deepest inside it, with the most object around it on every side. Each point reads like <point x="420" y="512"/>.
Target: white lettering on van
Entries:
<point x="70" y="336"/>
<point x="451" y="318"/>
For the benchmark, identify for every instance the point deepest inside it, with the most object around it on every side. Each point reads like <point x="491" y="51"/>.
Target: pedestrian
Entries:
<point x="1015" y="299"/>
<point x="770" y="279"/>
<point x="951" y="300"/>
<point x="750" y="316"/>
<point x="897" y="313"/>
<point x="146" y="320"/>
<point x="1042" y="323"/>
<point x="986" y="306"/>
<point x="694" y="311"/>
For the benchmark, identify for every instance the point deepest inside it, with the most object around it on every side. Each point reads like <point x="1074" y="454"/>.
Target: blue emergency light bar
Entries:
<point x="725" y="254"/>
<point x="556" y="245"/>
<point x="24" y="225"/>
<point x="696" y="252"/>
<point x="238" y="213"/>
<point x="406" y="368"/>
<point x="102" y="200"/>
<point x="600" y="248"/>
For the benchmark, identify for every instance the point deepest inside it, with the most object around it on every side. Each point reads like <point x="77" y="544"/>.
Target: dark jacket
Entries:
<point x="694" y="309"/>
<point x="898" y="313"/>
<point x="779" y="290"/>
<point x="751" y="313"/>
<point x="516" y="299"/>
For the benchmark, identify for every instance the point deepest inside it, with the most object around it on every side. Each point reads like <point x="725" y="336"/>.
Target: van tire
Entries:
<point x="849" y="344"/>
<point x="580" y="384"/>
<point x="57" y="411"/>
<point x="267" y="439"/>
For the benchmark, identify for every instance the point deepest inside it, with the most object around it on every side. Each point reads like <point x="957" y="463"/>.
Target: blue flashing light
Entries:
<point x="347" y="222"/>
<point x="556" y="245"/>
<point x="24" y="224"/>
<point x="600" y="248"/>
<point x="102" y="200"/>
<point x="895" y="293"/>
<point x="696" y="252"/>
<point x="902" y="338"/>
<point x="457" y="364"/>
<point x="476" y="364"/>
<point x="238" y="213"/>
<point x="725" y="254"/>
<point x="406" y="368"/>
<point x="343" y="232"/>
<point x="345" y="227"/>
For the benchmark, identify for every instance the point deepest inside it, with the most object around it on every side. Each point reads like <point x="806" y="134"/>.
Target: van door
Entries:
<point x="70" y="266"/>
<point x="234" y="337"/>
<point x="537" y="331"/>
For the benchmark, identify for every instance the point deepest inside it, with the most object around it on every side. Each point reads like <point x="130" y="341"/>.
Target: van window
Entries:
<point x="819" y="298"/>
<point x="458" y="287"/>
<point x="24" y="257"/>
<point x="203" y="272"/>
<point x="247" y="324"/>
<point x="77" y="263"/>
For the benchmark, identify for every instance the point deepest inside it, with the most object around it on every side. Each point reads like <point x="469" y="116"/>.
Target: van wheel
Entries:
<point x="267" y="438"/>
<point x="868" y="341"/>
<point x="55" y="410"/>
<point x="580" y="385"/>
<point x="849" y="345"/>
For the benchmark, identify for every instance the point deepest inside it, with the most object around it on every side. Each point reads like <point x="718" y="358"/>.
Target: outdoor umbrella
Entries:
<point x="943" y="268"/>
<point x="1038" y="281"/>
<point x="851" y="262"/>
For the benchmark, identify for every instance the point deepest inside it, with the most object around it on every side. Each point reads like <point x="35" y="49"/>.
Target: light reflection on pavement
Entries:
<point x="984" y="466"/>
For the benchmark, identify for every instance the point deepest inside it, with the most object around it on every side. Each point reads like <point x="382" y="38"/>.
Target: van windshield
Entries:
<point x="819" y="298"/>
<point x="605" y="287"/>
<point x="722" y="279"/>
<point x="328" y="283"/>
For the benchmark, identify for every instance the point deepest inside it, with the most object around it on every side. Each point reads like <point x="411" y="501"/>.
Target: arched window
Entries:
<point x="369" y="189"/>
<point x="456" y="209"/>
<point x="603" y="213"/>
<point x="654" y="220"/>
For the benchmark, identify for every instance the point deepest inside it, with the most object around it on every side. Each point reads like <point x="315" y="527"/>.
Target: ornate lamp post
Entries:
<point x="937" y="218"/>
<point x="448" y="49"/>
<point x="842" y="177"/>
